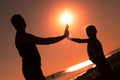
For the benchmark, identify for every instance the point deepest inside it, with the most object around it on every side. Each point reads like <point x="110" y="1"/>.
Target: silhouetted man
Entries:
<point x="95" y="51"/>
<point x="26" y="45"/>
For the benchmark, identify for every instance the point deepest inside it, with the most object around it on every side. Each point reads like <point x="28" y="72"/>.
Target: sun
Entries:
<point x="66" y="18"/>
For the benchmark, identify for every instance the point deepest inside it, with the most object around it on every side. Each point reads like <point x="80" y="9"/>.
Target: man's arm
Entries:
<point x="50" y="40"/>
<point x="46" y="41"/>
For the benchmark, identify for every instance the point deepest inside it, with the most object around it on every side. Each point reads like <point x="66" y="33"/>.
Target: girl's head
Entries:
<point x="91" y="31"/>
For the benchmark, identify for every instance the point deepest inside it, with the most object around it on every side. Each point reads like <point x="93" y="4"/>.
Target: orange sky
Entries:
<point x="43" y="19"/>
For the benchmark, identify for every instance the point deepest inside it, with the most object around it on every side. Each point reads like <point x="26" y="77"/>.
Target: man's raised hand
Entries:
<point x="66" y="31"/>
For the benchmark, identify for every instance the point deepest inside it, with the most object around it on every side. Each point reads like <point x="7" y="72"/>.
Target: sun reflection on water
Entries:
<point x="79" y="66"/>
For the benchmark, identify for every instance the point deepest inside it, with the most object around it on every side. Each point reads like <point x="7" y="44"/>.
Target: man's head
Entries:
<point x="18" y="22"/>
<point x="91" y="31"/>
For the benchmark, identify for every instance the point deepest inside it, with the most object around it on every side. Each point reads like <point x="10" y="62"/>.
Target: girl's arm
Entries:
<point x="78" y="40"/>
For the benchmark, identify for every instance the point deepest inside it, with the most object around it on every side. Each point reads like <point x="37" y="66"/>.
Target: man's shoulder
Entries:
<point x="29" y="35"/>
<point x="24" y="35"/>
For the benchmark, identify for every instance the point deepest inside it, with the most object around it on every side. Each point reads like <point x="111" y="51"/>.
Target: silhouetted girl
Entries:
<point x="95" y="52"/>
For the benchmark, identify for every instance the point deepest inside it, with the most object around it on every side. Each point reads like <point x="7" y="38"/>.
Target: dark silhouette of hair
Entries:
<point x="18" y="22"/>
<point x="91" y="31"/>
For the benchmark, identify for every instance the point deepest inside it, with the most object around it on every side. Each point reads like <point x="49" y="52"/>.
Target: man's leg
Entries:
<point x="33" y="73"/>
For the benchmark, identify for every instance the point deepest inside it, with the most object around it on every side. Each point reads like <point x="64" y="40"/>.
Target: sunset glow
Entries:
<point x="66" y="18"/>
<point x="79" y="66"/>
<point x="48" y="19"/>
